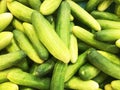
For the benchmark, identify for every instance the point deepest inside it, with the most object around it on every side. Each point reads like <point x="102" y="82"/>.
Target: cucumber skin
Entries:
<point x="103" y="64"/>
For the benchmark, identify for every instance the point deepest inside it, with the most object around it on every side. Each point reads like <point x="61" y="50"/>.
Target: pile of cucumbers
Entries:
<point x="59" y="44"/>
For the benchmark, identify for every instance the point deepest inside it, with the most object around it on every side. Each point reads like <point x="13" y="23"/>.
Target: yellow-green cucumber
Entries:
<point x="117" y="43"/>
<point x="108" y="87"/>
<point x="6" y="18"/>
<point x="84" y="16"/>
<point x="22" y="78"/>
<point x="104" y="5"/>
<point x="3" y="6"/>
<point x="73" y="68"/>
<point x="115" y="84"/>
<point x="26" y="46"/>
<point x="20" y="11"/>
<point x="5" y="39"/>
<point x="3" y="74"/>
<point x="105" y="15"/>
<point x="10" y="59"/>
<point x="109" y="24"/>
<point x="17" y="24"/>
<point x="31" y="34"/>
<point x="102" y="63"/>
<point x="35" y="4"/>
<point x="89" y="39"/>
<point x="107" y="35"/>
<point x="58" y="75"/>
<point x="63" y="22"/>
<point x="88" y="71"/>
<point x="49" y="6"/>
<point x="9" y="86"/>
<point x="92" y="5"/>
<point x="77" y="84"/>
<point x="12" y="47"/>
<point x="49" y="38"/>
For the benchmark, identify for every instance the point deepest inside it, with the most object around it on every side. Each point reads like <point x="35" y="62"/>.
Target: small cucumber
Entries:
<point x="63" y="22"/>
<point x="76" y="83"/>
<point x="107" y="35"/>
<point x="31" y="34"/>
<point x="3" y="6"/>
<point x="6" y="18"/>
<point x="49" y="6"/>
<point x="10" y="59"/>
<point x="26" y="46"/>
<point x="5" y="39"/>
<point x="89" y="39"/>
<point x="20" y="11"/>
<point x="83" y="16"/>
<point x="88" y="71"/>
<point x="50" y="38"/>
<point x="73" y="68"/>
<point x="115" y="84"/>
<point x="22" y="78"/>
<point x="57" y="81"/>
<point x="108" y="87"/>
<point x="117" y="43"/>
<point x="8" y="86"/>
<point x="102" y="63"/>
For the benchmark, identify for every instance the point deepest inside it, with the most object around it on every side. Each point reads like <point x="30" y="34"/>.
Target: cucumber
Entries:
<point x="3" y="6"/>
<point x="63" y="22"/>
<point x="49" y="6"/>
<point x="10" y="59"/>
<point x="29" y="80"/>
<point x="8" y="86"/>
<point x="115" y="84"/>
<point x="107" y="35"/>
<point x="6" y="18"/>
<point x="83" y="16"/>
<point x="89" y="39"/>
<point x="49" y="38"/>
<point x="26" y="46"/>
<point x="88" y="71"/>
<point x="109" y="24"/>
<point x="102" y="63"/>
<point x="108" y="87"/>
<point x="5" y="39"/>
<point x="25" y="2"/>
<point x="117" y="9"/>
<point x="31" y="34"/>
<point x="57" y="81"/>
<point x="117" y="43"/>
<point x="76" y="83"/>
<point x="25" y="88"/>
<point x="105" y="15"/>
<point x="45" y="68"/>
<point x="20" y="11"/>
<point x="73" y="68"/>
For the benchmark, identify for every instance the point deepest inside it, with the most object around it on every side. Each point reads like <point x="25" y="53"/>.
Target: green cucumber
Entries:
<point x="26" y="46"/>
<point x="10" y="59"/>
<point x="31" y="34"/>
<point x="50" y="38"/>
<point x="73" y="68"/>
<point x="57" y="81"/>
<point x="83" y="16"/>
<point x="107" y="35"/>
<point x="22" y="78"/>
<point x="63" y="22"/>
<point x="75" y="83"/>
<point x="102" y="63"/>
<point x="89" y="39"/>
<point x="8" y="86"/>
<point x="88" y="71"/>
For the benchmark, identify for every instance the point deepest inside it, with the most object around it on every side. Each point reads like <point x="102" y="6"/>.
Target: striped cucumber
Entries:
<point x="102" y="63"/>
<point x="84" y="16"/>
<point x="63" y="22"/>
<point x="49" y="6"/>
<point x="31" y="34"/>
<point x="26" y="46"/>
<point x="49" y="38"/>
<point x="57" y="81"/>
<point x="89" y="39"/>
<point x="5" y="39"/>
<point x="10" y="59"/>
